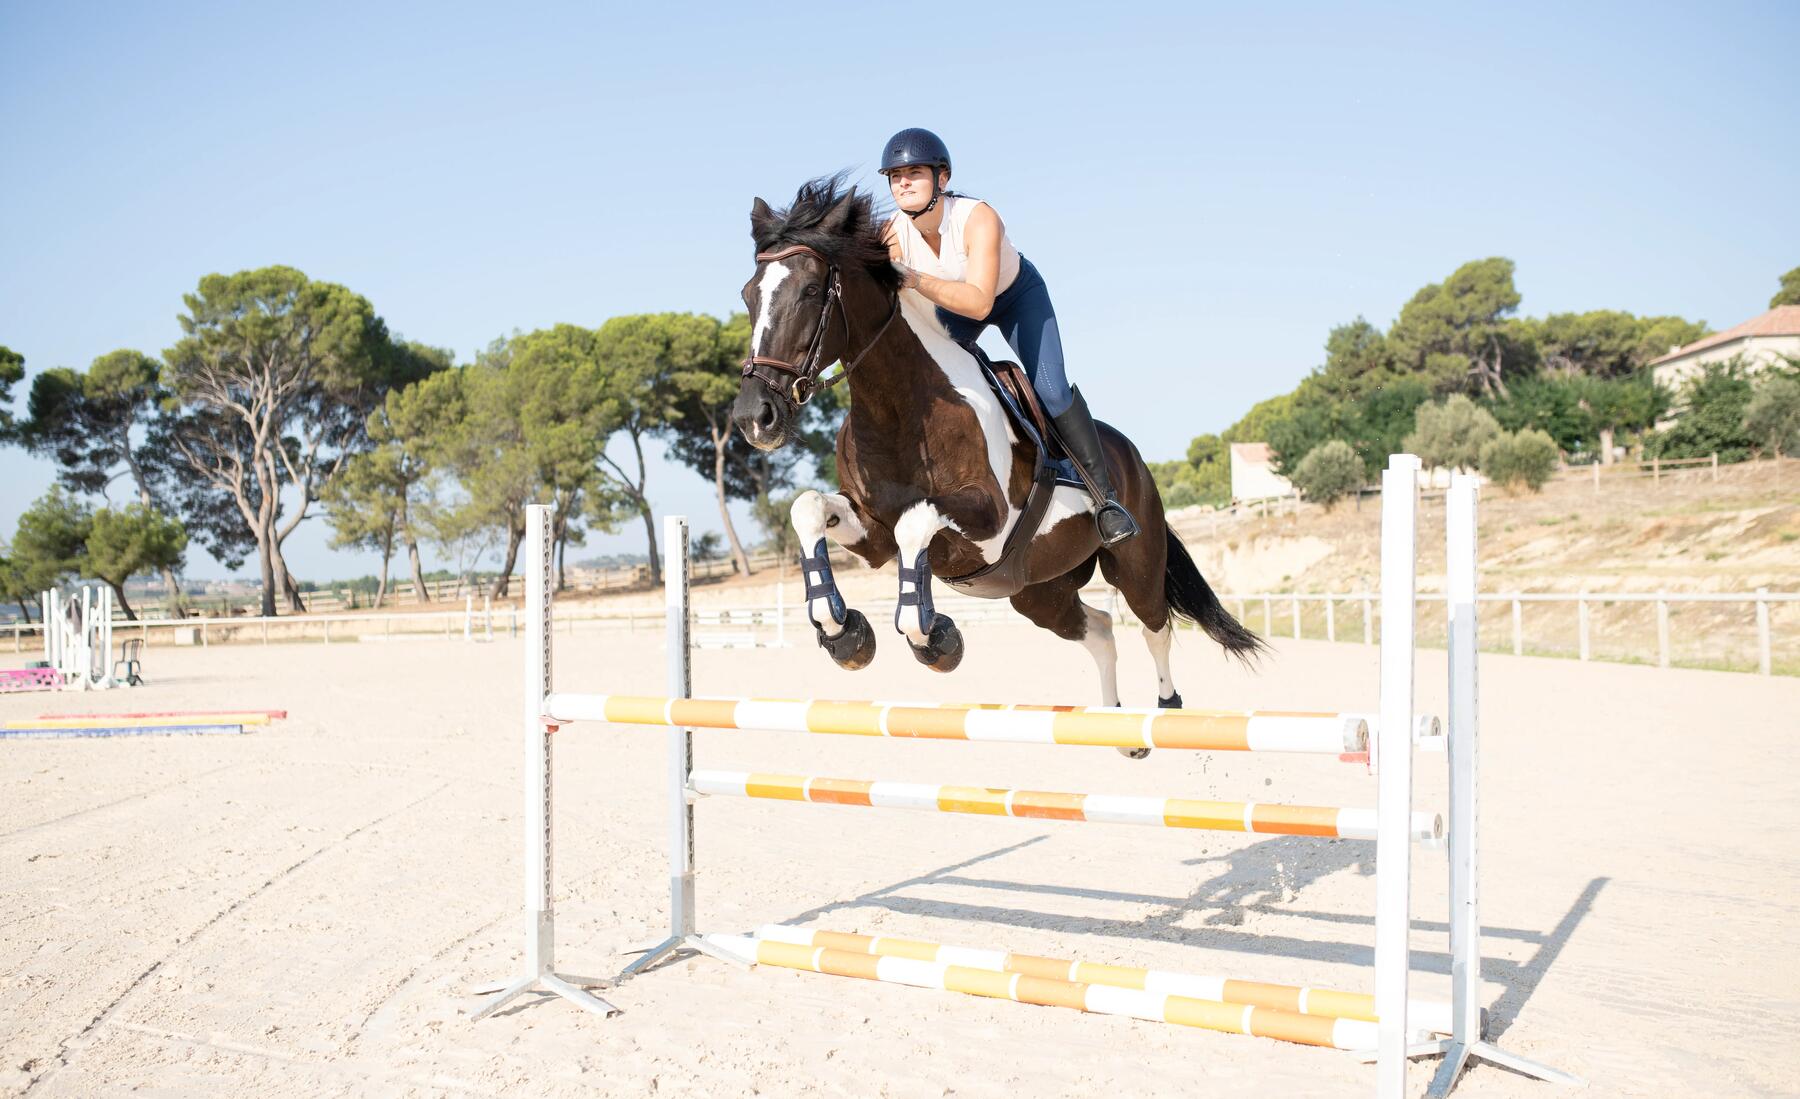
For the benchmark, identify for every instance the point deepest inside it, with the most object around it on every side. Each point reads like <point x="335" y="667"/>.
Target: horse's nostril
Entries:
<point x="766" y="417"/>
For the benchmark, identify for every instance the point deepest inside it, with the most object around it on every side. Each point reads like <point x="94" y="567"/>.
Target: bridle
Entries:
<point x="798" y="382"/>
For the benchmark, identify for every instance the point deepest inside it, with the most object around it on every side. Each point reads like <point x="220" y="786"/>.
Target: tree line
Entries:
<point x="286" y="397"/>
<point x="1571" y="384"/>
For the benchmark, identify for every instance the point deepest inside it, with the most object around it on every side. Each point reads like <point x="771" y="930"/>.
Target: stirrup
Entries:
<point x="1114" y="523"/>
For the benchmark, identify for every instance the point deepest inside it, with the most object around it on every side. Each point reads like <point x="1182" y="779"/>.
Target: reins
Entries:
<point x="799" y="382"/>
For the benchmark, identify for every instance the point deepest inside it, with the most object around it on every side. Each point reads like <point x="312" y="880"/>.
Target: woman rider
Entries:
<point x="954" y="250"/>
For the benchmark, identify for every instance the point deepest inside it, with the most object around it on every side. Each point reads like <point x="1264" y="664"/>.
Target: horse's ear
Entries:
<point x="760" y="218"/>
<point x="838" y="219"/>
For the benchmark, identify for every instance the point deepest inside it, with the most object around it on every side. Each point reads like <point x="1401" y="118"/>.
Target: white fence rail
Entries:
<point x="1761" y="600"/>
<point x="1286" y="609"/>
<point x="1353" y="614"/>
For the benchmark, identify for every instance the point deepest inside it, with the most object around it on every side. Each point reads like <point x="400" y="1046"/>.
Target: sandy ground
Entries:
<point x="302" y="910"/>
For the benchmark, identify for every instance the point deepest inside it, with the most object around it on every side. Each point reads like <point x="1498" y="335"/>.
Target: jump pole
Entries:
<point x="1158" y="812"/>
<point x="1108" y="727"/>
<point x="1100" y="999"/>
<point x="1300" y="999"/>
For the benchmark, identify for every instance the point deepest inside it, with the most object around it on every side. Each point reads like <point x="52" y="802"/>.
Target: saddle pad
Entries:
<point x="1060" y="464"/>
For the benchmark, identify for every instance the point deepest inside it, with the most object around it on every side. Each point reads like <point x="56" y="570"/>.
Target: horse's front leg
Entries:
<point x="842" y="631"/>
<point x="934" y="638"/>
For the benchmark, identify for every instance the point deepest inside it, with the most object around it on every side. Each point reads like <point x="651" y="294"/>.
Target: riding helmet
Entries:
<point x="914" y="146"/>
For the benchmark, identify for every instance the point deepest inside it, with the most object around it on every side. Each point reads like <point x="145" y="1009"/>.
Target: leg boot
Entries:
<point x="1082" y="440"/>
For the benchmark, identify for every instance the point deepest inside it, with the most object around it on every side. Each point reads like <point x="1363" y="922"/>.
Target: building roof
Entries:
<point x="1258" y="453"/>
<point x="1783" y="320"/>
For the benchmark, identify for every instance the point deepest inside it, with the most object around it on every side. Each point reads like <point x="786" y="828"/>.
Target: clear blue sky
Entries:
<point x="1207" y="188"/>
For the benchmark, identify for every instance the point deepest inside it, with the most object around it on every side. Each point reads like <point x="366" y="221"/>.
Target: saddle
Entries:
<point x="1011" y="572"/>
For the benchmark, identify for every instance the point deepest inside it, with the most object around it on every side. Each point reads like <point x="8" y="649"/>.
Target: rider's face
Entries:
<point x="911" y="186"/>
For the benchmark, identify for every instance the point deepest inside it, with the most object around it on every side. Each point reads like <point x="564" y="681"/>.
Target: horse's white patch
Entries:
<point x="965" y="377"/>
<point x="1158" y="641"/>
<point x="841" y="522"/>
<point x="1099" y="643"/>
<point x="765" y="299"/>
<point x="1066" y="503"/>
<point x="811" y="514"/>
<point x="913" y="531"/>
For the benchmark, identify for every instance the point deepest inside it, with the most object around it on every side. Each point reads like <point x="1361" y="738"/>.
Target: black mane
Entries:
<point x="834" y="219"/>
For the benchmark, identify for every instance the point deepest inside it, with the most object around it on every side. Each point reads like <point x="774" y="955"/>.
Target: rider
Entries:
<point x="954" y="250"/>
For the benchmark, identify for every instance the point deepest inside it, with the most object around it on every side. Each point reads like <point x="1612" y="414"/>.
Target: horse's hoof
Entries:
<point x="854" y="646"/>
<point x="1173" y="702"/>
<point x="943" y="649"/>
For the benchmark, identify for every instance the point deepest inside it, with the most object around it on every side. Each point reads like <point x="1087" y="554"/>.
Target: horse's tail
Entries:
<point x="1189" y="596"/>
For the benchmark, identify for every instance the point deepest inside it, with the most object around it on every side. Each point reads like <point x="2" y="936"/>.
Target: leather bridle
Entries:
<point x="798" y="382"/>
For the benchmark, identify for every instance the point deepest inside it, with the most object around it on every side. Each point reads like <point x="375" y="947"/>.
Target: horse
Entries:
<point x="931" y="471"/>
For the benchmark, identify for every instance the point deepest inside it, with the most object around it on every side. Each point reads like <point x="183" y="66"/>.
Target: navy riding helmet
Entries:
<point x="916" y="146"/>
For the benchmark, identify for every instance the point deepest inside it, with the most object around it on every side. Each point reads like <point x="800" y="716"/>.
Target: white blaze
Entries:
<point x="765" y="298"/>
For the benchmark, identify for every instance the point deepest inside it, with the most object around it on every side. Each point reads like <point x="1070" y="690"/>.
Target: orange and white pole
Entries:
<point x="1163" y="1007"/>
<point x="1216" y="816"/>
<point x="1100" y="726"/>
<point x="1300" y="999"/>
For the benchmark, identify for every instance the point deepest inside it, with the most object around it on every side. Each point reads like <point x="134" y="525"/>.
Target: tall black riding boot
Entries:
<point x="1082" y="440"/>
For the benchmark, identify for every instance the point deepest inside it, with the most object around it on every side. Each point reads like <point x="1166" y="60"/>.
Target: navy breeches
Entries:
<point x="1027" y="321"/>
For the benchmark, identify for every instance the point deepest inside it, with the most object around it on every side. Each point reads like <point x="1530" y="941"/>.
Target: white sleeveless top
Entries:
<point x="951" y="261"/>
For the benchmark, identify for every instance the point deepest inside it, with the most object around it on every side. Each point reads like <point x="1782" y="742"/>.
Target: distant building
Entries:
<point x="1253" y="475"/>
<point x="1761" y="341"/>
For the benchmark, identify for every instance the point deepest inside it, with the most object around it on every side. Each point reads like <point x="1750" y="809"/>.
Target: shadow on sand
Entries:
<point x="1267" y="876"/>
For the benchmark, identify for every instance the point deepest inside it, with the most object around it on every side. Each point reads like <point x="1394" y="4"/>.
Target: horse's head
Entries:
<point x="820" y="267"/>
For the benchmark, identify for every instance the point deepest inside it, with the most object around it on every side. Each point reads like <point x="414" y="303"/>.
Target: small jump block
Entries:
<point x="121" y="731"/>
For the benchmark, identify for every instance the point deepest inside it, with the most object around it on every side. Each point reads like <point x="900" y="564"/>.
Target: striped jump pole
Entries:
<point x="1215" y="816"/>
<point x="77" y="731"/>
<point x="1100" y="726"/>
<point x="1156" y="1006"/>
<point x="219" y="714"/>
<point x="121" y="720"/>
<point x="1302" y="999"/>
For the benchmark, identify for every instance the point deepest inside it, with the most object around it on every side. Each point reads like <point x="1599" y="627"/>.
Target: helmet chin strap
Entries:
<point x="929" y="206"/>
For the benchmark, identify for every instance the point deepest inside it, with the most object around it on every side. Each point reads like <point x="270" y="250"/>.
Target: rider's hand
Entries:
<point x="909" y="278"/>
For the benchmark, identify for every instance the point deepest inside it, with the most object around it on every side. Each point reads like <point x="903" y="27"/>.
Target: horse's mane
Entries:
<point x="834" y="219"/>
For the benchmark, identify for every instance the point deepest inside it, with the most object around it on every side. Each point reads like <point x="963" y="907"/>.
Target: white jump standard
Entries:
<point x="1389" y="1024"/>
<point x="78" y="631"/>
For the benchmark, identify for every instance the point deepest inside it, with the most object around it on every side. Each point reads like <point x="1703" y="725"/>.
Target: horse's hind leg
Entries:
<point x="1056" y="605"/>
<point x="1159" y="642"/>
<point x="842" y="631"/>
<point x="1136" y="568"/>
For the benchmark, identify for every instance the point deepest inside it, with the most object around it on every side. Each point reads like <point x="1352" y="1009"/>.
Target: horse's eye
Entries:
<point x="810" y="292"/>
